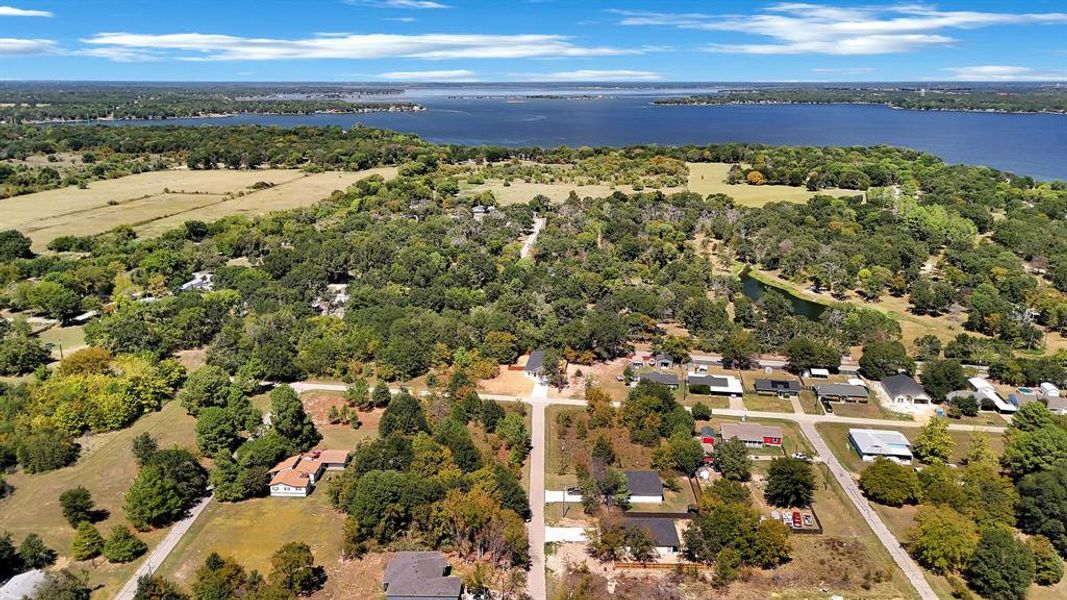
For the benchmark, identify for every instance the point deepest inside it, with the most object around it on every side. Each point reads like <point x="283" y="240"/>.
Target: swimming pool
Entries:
<point x="1026" y="391"/>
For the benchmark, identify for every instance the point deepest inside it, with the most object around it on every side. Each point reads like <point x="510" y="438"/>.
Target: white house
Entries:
<point x="295" y="476"/>
<point x="987" y="393"/>
<point x="201" y="281"/>
<point x="904" y="390"/>
<point x="663" y="532"/>
<point x="644" y="487"/>
<point x="873" y="443"/>
<point x="1049" y="390"/>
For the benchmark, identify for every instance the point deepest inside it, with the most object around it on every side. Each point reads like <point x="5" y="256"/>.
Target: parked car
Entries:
<point x="802" y="456"/>
<point x="827" y="407"/>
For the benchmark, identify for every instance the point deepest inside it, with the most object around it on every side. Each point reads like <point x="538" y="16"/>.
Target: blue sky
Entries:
<point x="532" y="40"/>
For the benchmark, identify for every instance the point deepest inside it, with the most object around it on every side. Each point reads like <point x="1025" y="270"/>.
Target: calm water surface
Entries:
<point x="1033" y="145"/>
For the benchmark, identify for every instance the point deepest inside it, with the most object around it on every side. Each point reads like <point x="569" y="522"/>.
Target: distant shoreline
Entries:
<point x="354" y="111"/>
<point x="668" y="102"/>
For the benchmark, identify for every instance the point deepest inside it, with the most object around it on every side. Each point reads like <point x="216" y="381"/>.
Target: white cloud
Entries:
<point x="401" y="19"/>
<point x="415" y="4"/>
<point x="26" y="47"/>
<point x="445" y="75"/>
<point x="1004" y="73"/>
<point x="844" y="70"/>
<point x="429" y="46"/>
<point x="804" y="28"/>
<point x="11" y="11"/>
<point x="592" y="75"/>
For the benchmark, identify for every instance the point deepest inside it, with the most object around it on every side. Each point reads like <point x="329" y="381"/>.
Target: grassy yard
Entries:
<point x="253" y="530"/>
<point x="64" y="340"/>
<point x="711" y="402"/>
<point x="810" y="403"/>
<point x="793" y="439"/>
<point x="836" y="436"/>
<point x="106" y="468"/>
<point x="872" y="409"/>
<point x="767" y="403"/>
<point x="710" y="178"/>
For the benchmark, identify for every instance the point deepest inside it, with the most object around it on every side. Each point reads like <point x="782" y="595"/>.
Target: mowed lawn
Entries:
<point x="836" y="436"/>
<point x="710" y="178"/>
<point x="156" y="201"/>
<point x="64" y="340"/>
<point x="106" y="468"/>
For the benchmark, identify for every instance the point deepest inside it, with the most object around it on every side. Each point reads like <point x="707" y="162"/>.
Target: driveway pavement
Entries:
<point x="163" y="550"/>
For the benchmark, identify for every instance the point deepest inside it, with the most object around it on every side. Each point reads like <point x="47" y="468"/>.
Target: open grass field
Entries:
<point x="836" y="436"/>
<point x="872" y="409"/>
<point x="156" y="201"/>
<point x="254" y="529"/>
<point x="106" y="468"/>
<point x="710" y="178"/>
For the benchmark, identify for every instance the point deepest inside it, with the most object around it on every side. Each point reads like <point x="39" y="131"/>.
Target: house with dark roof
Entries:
<point x="644" y="487"/>
<point x="840" y="392"/>
<point x="667" y="379"/>
<point x="782" y="388"/>
<point x="902" y="389"/>
<point x="715" y="385"/>
<point x="662" y="530"/>
<point x="535" y="365"/>
<point x="420" y="576"/>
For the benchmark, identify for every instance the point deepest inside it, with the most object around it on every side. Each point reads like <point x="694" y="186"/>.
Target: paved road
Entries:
<point x="536" y="584"/>
<point x="163" y="550"/>
<point x="886" y="537"/>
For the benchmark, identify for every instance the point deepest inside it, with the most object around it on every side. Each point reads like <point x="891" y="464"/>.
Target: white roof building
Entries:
<point x="1050" y="390"/>
<point x="23" y="585"/>
<point x="873" y="443"/>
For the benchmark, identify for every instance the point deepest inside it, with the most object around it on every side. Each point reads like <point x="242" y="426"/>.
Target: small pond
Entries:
<point x="754" y="288"/>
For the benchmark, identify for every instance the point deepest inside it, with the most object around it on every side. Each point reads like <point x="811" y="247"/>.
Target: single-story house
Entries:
<point x="872" y="443"/>
<point x="1049" y="390"/>
<point x="754" y="435"/>
<point x="535" y="365"/>
<point x="718" y="385"/>
<point x="664" y="533"/>
<point x="23" y="585"/>
<point x="201" y="281"/>
<point x="644" y="487"/>
<point x="296" y="475"/>
<point x="778" y="387"/>
<point x="706" y="437"/>
<point x="664" y="362"/>
<point x="420" y="575"/>
<point x="668" y="379"/>
<point x="988" y="395"/>
<point x="702" y="362"/>
<point x="902" y="389"/>
<point x="840" y="392"/>
<point x="1057" y="404"/>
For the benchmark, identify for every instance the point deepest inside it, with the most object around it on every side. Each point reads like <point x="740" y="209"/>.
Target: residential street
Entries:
<point x="536" y="582"/>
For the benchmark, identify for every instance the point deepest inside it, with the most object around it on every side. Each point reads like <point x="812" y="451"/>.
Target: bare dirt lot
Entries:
<point x="157" y="201"/>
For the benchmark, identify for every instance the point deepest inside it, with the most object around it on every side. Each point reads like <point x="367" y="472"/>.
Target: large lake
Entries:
<point x="1033" y="145"/>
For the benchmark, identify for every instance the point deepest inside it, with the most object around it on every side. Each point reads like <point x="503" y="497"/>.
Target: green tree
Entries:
<point x="640" y="544"/>
<point x="1031" y="417"/>
<point x="771" y="546"/>
<point x="77" y="504"/>
<point x="453" y="434"/>
<point x="889" y="483"/>
<point x="153" y="499"/>
<point x="727" y="567"/>
<point x="382" y="396"/>
<point x="123" y="546"/>
<point x="934" y="444"/>
<point x="1034" y="450"/>
<point x="46" y="450"/>
<point x="357" y="394"/>
<point x="701" y="412"/>
<point x="686" y="453"/>
<point x="34" y="554"/>
<point x="943" y="376"/>
<point x="790" y="482"/>
<point x="732" y="460"/>
<point x="1048" y="566"/>
<point x="289" y="419"/>
<point x="155" y="587"/>
<point x="1002" y="567"/>
<point x="512" y="429"/>
<point x="219" y="579"/>
<point x="10" y="561"/>
<point x="882" y="359"/>
<point x="87" y="542"/>
<point x="144" y="447"/>
<point x="293" y="569"/>
<point x="738" y="349"/>
<point x="207" y="386"/>
<point x="1042" y="507"/>
<point x="63" y="585"/>
<point x="216" y="431"/>
<point x="14" y="245"/>
<point x="404" y="414"/>
<point x="942" y="539"/>
<point x="603" y="450"/>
